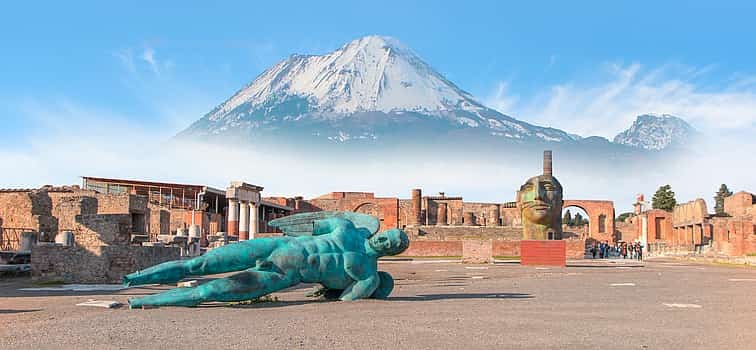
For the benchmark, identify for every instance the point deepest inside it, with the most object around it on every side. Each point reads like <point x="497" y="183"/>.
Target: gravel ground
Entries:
<point x="590" y="304"/>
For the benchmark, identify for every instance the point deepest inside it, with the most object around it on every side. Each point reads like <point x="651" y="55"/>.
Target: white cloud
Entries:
<point x="148" y="55"/>
<point x="609" y="105"/>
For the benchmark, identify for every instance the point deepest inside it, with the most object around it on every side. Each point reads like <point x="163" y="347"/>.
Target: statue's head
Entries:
<point x="389" y="242"/>
<point x="540" y="200"/>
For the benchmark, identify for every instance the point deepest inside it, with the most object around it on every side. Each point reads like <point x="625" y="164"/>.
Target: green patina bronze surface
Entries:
<point x="338" y="250"/>
<point x="540" y="200"/>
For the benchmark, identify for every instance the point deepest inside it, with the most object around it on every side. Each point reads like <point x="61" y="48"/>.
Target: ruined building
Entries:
<point x="691" y="229"/>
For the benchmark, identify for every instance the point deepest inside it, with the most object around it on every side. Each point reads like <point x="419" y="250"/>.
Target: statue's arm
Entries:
<point x="366" y="279"/>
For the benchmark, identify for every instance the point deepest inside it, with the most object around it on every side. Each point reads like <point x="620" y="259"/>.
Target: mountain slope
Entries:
<point x="370" y="89"/>
<point x="656" y="132"/>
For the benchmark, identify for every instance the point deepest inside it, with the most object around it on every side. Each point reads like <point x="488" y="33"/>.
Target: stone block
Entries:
<point x="477" y="252"/>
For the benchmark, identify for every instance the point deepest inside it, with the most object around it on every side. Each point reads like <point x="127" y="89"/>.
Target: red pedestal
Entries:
<point x="550" y="253"/>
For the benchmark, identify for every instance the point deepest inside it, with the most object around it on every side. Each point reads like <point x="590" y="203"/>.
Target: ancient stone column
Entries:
<point x="547" y="169"/>
<point x="233" y="217"/>
<point x="416" y="217"/>
<point x="441" y="217"/>
<point x="254" y="220"/>
<point x="244" y="221"/>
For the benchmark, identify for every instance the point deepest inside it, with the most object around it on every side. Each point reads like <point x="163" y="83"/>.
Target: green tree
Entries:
<point x="664" y="198"/>
<point x="567" y="218"/>
<point x="719" y="200"/>
<point x="623" y="216"/>
<point x="578" y="220"/>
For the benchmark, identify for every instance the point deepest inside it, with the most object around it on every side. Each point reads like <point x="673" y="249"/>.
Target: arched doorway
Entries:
<point x="575" y="222"/>
<point x="600" y="217"/>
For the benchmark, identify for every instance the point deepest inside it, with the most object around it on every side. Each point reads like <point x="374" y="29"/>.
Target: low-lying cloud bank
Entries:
<point x="69" y="140"/>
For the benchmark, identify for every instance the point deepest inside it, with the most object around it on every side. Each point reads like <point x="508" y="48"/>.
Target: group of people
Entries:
<point x="624" y="250"/>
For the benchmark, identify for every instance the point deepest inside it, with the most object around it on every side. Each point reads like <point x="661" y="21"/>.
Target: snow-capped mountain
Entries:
<point x="372" y="88"/>
<point x="656" y="132"/>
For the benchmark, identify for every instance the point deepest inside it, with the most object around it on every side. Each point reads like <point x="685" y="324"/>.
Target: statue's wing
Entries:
<point x="304" y="224"/>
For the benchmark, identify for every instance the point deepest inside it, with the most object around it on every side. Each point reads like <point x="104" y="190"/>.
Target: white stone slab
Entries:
<point x="683" y="306"/>
<point x="108" y="304"/>
<point x="622" y="284"/>
<point x="188" y="284"/>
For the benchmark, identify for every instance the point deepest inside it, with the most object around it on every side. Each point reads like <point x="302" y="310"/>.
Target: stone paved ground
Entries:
<point x="591" y="304"/>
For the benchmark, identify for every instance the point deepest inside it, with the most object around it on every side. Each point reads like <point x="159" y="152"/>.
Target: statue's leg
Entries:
<point x="229" y="258"/>
<point x="245" y="285"/>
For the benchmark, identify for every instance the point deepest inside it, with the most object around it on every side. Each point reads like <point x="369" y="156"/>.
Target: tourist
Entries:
<point x="640" y="251"/>
<point x="601" y="250"/>
<point x="593" y="251"/>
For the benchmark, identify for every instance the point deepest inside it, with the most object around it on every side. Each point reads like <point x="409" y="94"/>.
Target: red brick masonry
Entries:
<point x="551" y="253"/>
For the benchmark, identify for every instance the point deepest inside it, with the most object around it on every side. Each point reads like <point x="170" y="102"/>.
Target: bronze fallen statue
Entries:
<point x="338" y="250"/>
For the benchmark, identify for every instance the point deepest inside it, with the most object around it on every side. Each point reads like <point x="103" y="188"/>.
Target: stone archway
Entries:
<point x="600" y="217"/>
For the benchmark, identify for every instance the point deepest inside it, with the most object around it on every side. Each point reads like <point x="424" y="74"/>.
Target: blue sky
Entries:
<point x="584" y="66"/>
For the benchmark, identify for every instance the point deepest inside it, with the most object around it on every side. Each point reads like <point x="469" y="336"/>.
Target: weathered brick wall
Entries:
<point x="434" y="248"/>
<point x="177" y="219"/>
<point x="160" y="220"/>
<point x="626" y="231"/>
<point x="16" y="210"/>
<point x="96" y="230"/>
<point x="442" y="233"/>
<point x="485" y="213"/>
<point x="66" y="206"/>
<point x="104" y="264"/>
<point x="511" y="217"/>
<point x="405" y="212"/>
<point x="739" y="204"/>
<point x="385" y="209"/>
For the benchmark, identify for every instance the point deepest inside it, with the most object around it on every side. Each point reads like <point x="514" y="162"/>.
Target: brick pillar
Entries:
<point x="233" y="217"/>
<point x="441" y="217"/>
<point x="547" y="169"/>
<point x="244" y="221"/>
<point x="254" y="221"/>
<point x="416" y="217"/>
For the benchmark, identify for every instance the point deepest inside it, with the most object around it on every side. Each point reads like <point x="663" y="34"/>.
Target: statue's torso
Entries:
<point x="321" y="259"/>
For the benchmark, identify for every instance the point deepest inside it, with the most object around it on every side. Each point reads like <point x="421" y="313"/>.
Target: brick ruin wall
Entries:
<point x="447" y="241"/>
<point x="102" y="225"/>
<point x="104" y="264"/>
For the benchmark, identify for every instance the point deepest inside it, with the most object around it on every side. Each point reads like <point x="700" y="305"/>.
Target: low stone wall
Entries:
<point x="575" y="248"/>
<point x="452" y="233"/>
<point x="105" y="264"/>
<point x="434" y="248"/>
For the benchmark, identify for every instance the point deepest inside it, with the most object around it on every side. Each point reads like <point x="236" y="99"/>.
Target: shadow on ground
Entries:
<point x="427" y="297"/>
<point x="5" y="312"/>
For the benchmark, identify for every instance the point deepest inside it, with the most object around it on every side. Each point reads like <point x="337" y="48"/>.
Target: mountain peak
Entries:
<point x="372" y="42"/>
<point x="656" y="132"/>
<point x="372" y="80"/>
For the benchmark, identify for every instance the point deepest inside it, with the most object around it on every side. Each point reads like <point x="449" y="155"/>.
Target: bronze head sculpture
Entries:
<point x="540" y="202"/>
